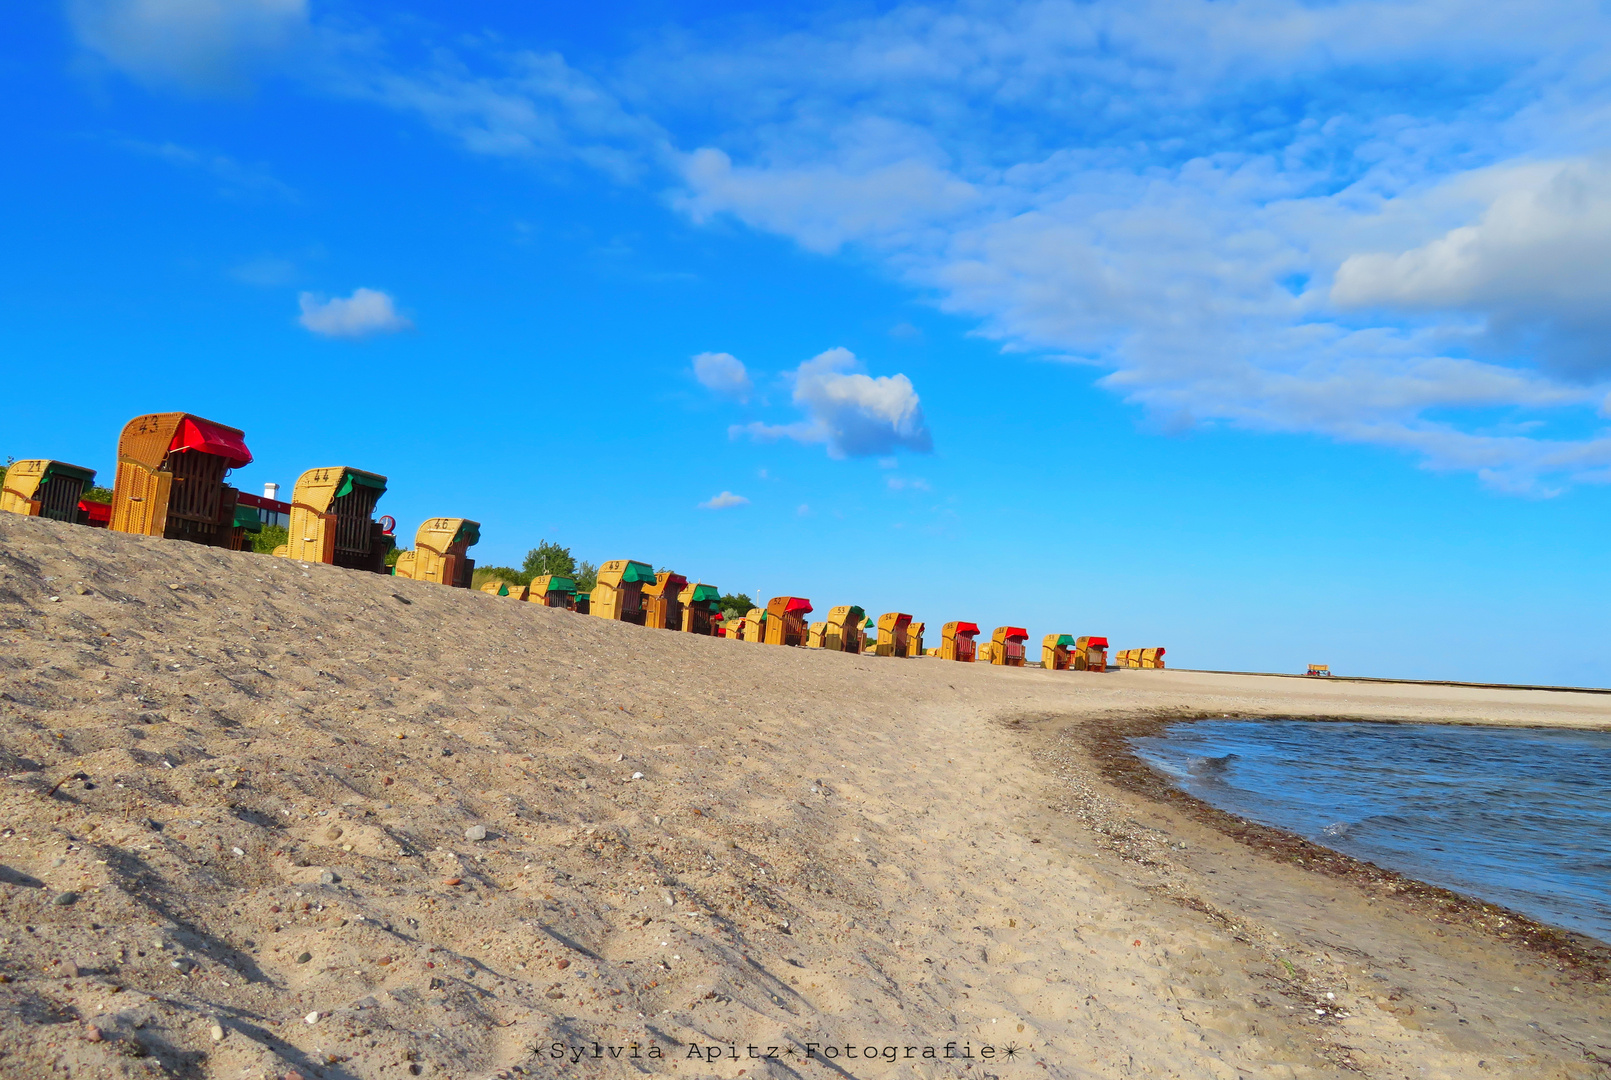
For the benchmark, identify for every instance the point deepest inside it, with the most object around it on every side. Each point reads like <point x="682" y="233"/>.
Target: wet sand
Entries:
<point x="234" y="844"/>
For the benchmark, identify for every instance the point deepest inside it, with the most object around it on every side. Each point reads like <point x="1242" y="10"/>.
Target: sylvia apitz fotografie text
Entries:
<point x="576" y="1053"/>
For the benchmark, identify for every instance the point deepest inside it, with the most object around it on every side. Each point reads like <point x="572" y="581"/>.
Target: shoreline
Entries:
<point x="1460" y="684"/>
<point x="1118" y="764"/>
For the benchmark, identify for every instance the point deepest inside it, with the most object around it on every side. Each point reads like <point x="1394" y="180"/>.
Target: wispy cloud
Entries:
<point x="363" y="314"/>
<point x="1374" y="221"/>
<point x="266" y="271"/>
<point x="234" y="177"/>
<point x="199" y="45"/>
<point x="1198" y="198"/>
<point x="724" y="501"/>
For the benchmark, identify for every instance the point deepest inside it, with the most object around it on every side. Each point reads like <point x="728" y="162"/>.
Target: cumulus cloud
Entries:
<point x="724" y="374"/>
<point x="723" y="501"/>
<point x="1112" y="185"/>
<point x="1373" y="221"/>
<point x="200" y="45"/>
<point x="853" y="413"/>
<point x="856" y="414"/>
<point x="365" y="313"/>
<point x="1534" y="260"/>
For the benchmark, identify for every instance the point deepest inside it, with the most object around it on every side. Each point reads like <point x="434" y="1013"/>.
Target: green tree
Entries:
<point x="548" y="558"/>
<point x="587" y="576"/>
<point x="97" y="494"/>
<point x="270" y="538"/>
<point x="738" y="602"/>
<point x="484" y="574"/>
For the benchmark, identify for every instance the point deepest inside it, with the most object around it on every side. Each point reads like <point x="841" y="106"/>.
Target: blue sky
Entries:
<point x="1271" y="333"/>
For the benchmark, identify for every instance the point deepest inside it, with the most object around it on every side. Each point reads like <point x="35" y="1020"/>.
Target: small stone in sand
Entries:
<point x="303" y="958"/>
<point x="563" y="964"/>
<point x="66" y="899"/>
<point x="329" y="877"/>
<point x="93" y="1034"/>
<point x="452" y="881"/>
<point x="312" y="1018"/>
<point x="333" y="833"/>
<point x="217" y="1032"/>
<point x="476" y="832"/>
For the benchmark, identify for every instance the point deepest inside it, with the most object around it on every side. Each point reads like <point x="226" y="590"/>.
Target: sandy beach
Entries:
<point x="262" y="819"/>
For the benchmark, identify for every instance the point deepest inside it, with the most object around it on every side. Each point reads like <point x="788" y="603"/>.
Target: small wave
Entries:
<point x="1210" y="767"/>
<point x="1337" y="829"/>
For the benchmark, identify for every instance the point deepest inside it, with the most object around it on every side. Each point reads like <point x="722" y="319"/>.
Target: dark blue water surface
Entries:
<point x="1519" y="817"/>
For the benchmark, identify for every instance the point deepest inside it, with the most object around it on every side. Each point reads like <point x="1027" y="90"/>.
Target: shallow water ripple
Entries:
<point x="1519" y="817"/>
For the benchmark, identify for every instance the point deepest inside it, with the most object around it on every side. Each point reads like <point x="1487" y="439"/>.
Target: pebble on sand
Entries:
<point x="476" y="832"/>
<point x="66" y="899"/>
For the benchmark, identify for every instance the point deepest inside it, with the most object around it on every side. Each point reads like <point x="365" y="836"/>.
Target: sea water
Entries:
<point x="1518" y="817"/>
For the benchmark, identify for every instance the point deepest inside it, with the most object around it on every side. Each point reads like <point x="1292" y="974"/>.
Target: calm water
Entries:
<point x="1516" y="817"/>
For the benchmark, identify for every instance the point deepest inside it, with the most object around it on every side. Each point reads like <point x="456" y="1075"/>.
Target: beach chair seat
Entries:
<point x="1007" y="646"/>
<point x="40" y="487"/>
<point x="441" y="553"/>
<point x="1090" y="653"/>
<point x="956" y="641"/>
<point x="619" y="592"/>
<point x="333" y="520"/>
<point x="552" y="590"/>
<point x="170" y="478"/>
<point x="662" y="601"/>
<point x="785" y="621"/>
<point x="700" y="604"/>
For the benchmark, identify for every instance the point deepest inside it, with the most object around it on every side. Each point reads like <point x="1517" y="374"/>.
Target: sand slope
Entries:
<point x="257" y="777"/>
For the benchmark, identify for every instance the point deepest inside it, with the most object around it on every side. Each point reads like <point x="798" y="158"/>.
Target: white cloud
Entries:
<point x="365" y="312"/>
<point x="724" y="374"/>
<point x="1375" y="221"/>
<point x="854" y="414"/>
<point x="723" y="501"/>
<point x="858" y="415"/>
<point x="204" y="45"/>
<point x="524" y="104"/>
<point x="1535" y="260"/>
<point x="1117" y="185"/>
<point x="823" y="207"/>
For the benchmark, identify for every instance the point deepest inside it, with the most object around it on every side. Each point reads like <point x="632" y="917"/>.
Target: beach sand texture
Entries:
<point x="257" y="778"/>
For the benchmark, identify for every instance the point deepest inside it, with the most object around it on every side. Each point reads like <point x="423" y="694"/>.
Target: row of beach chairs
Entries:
<point x="170" y="483"/>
